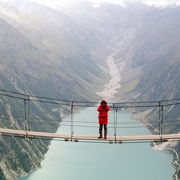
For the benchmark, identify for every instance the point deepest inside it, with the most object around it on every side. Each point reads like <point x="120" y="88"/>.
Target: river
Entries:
<point x="98" y="161"/>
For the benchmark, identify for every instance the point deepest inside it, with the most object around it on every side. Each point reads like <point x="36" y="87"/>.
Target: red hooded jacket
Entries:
<point x="103" y="114"/>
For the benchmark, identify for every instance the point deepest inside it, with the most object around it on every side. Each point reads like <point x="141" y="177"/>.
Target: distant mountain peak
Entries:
<point x="161" y="3"/>
<point x="125" y="3"/>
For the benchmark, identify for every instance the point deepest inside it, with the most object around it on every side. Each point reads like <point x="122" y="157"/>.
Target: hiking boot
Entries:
<point x="100" y="137"/>
<point x="105" y="137"/>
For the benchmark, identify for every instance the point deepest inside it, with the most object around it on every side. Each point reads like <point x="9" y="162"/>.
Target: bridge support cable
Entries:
<point x="60" y="113"/>
<point x="26" y="114"/>
<point x="50" y="100"/>
<point x="115" y="122"/>
<point x="161" y="119"/>
<point x="114" y="117"/>
<point x="72" y="125"/>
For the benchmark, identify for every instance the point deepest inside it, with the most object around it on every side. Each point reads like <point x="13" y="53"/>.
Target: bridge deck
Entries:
<point x="34" y="134"/>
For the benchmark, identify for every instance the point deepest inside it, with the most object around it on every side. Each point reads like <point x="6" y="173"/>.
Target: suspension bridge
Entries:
<point x="23" y="127"/>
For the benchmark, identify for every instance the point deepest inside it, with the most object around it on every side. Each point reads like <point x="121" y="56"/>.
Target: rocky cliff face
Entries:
<point x="153" y="66"/>
<point x="42" y="52"/>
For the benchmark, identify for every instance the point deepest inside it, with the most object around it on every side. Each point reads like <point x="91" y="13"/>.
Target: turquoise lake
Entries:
<point x="98" y="161"/>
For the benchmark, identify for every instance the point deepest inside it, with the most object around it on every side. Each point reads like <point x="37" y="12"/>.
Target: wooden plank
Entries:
<point x="34" y="134"/>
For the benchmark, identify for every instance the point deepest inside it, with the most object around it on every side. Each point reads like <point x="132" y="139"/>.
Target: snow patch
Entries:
<point x="97" y="5"/>
<point x="162" y="3"/>
<point x="114" y="84"/>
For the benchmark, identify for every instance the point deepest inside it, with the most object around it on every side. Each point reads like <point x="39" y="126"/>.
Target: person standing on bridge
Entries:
<point x="103" y="118"/>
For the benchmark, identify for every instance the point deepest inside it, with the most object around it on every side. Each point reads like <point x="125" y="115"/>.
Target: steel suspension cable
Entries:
<point x="81" y="103"/>
<point x="72" y="129"/>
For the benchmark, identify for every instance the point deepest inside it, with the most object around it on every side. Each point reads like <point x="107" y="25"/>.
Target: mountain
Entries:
<point x="38" y="44"/>
<point x="123" y="3"/>
<point x="62" y="53"/>
<point x="54" y="58"/>
<point x="161" y="3"/>
<point x="151" y="53"/>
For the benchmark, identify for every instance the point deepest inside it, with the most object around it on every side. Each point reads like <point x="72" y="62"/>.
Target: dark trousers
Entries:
<point x="101" y="128"/>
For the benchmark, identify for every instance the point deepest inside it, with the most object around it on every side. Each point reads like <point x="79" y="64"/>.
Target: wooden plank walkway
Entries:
<point x="34" y="134"/>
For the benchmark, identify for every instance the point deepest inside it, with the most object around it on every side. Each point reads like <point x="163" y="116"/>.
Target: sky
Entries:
<point x="120" y="2"/>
